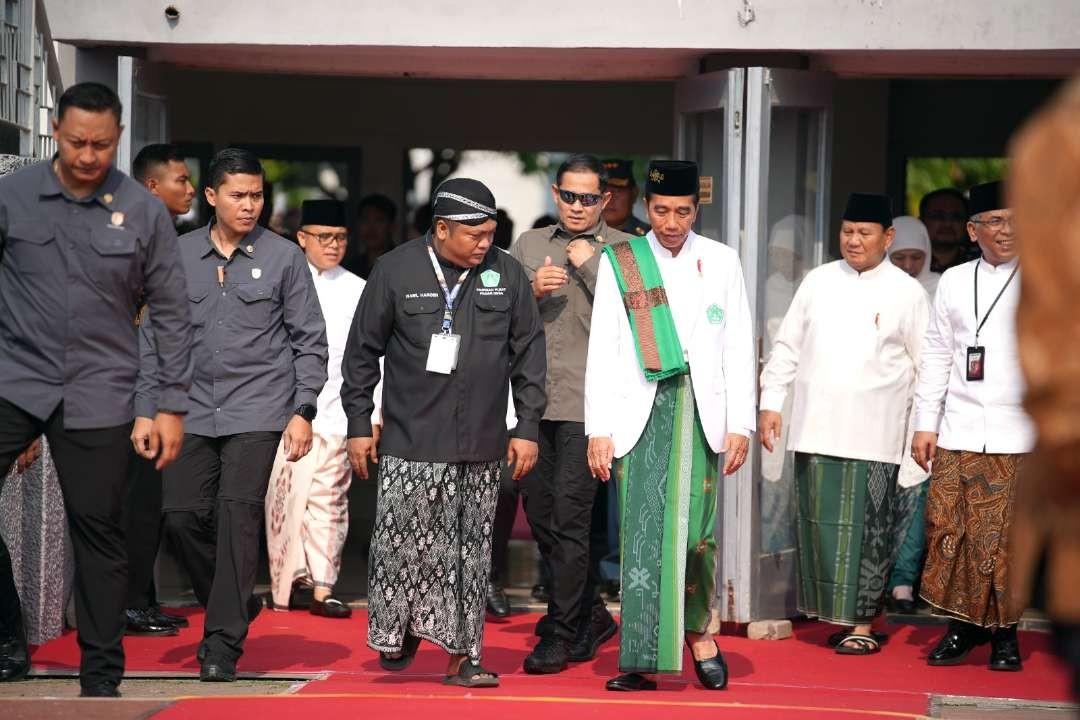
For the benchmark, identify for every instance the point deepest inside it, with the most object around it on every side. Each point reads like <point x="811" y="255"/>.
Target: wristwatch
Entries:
<point x="306" y="411"/>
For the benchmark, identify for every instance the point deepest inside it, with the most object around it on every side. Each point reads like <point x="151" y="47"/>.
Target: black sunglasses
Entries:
<point x="587" y="199"/>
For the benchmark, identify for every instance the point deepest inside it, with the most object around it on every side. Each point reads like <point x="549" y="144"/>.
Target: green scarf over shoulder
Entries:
<point x="659" y="351"/>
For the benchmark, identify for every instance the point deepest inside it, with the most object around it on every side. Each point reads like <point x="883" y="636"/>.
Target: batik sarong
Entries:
<point x="667" y="491"/>
<point x="307" y="517"/>
<point x="969" y="514"/>
<point x="844" y="527"/>
<point x="431" y="554"/>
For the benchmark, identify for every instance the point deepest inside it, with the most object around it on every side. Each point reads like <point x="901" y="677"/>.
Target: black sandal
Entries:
<point x="838" y="637"/>
<point x="403" y="660"/>
<point x="471" y="675"/>
<point x="866" y="645"/>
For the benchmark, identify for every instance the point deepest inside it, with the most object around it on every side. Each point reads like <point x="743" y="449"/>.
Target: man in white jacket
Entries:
<point x="669" y="385"/>
<point x="849" y="346"/>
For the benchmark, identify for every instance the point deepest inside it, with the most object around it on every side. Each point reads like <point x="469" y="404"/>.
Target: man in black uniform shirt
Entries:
<point x="80" y="243"/>
<point x="456" y="321"/>
<point x="260" y="361"/>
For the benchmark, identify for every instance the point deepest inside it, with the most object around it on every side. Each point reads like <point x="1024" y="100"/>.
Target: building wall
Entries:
<point x="701" y="24"/>
<point x="383" y="118"/>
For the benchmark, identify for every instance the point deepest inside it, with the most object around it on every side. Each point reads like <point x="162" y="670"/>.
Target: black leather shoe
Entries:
<point x="162" y="618"/>
<point x="903" y="605"/>
<point x="712" y="673"/>
<point x="959" y="640"/>
<point x="14" y="658"/>
<point x="331" y="607"/>
<point x="1005" y="650"/>
<point x="216" y="669"/>
<point x="593" y="633"/>
<point x="497" y="602"/>
<point x="540" y="593"/>
<point x="140" y="623"/>
<point x="631" y="682"/>
<point x="551" y="655"/>
<point x="104" y="689"/>
<point x="254" y="607"/>
<point x="544" y="626"/>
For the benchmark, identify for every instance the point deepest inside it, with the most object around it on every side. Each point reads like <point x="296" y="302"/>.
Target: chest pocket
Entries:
<point x="32" y="249"/>
<point x="197" y="302"/>
<point x="256" y="304"/>
<point x="421" y="317"/>
<point x="492" y="316"/>
<point x="113" y="256"/>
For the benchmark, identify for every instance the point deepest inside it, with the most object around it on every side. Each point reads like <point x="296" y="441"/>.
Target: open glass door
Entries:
<point x="708" y="130"/>
<point x="785" y="221"/>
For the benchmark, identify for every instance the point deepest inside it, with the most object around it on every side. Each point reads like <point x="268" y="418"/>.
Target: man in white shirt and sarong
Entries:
<point x="307" y="504"/>
<point x="971" y="425"/>
<point x="849" y="346"/>
<point x="669" y="386"/>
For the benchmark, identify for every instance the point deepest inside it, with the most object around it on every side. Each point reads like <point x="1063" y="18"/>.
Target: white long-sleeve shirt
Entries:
<point x="850" y="344"/>
<point x="978" y="416"/>
<point x="339" y="292"/>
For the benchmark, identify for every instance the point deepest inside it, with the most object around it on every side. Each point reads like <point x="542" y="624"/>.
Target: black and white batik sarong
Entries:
<point x="431" y="554"/>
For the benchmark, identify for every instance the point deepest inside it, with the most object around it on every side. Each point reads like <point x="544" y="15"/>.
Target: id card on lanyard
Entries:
<point x="976" y="354"/>
<point x="443" y="352"/>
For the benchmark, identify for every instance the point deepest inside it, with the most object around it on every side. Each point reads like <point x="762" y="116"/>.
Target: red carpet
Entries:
<point x="790" y="678"/>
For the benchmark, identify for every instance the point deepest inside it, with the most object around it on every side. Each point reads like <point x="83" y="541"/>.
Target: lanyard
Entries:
<point x="993" y="304"/>
<point x="450" y="295"/>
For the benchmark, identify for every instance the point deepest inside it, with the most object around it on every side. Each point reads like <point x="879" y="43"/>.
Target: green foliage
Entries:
<point x="926" y="174"/>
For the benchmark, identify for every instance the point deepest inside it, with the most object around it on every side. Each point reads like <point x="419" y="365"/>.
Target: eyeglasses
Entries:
<point x="942" y="216"/>
<point x="995" y="223"/>
<point x="326" y="238"/>
<point x="587" y="199"/>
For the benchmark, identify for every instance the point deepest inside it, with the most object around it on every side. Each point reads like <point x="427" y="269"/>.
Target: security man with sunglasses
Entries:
<point x="561" y="261"/>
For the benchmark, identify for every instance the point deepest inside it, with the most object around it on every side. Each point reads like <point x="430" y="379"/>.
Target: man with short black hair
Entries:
<point x="945" y="213"/>
<point x="561" y="262"/>
<point x="79" y="243"/>
<point x="260" y="359"/>
<point x="375" y="215"/>
<point x="162" y="170"/>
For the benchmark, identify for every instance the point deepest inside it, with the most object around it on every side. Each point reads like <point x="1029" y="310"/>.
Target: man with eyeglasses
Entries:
<point x="971" y="426"/>
<point x="561" y="261"/>
<point x="260" y="361"/>
<point x="307" y="504"/>
<point x="945" y="214"/>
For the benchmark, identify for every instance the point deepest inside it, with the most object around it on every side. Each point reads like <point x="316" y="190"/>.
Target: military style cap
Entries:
<point x="620" y="173"/>
<point x="674" y="178"/>
<point x="323" y="212"/>
<point x="464" y="200"/>
<point x="869" y="207"/>
<point x="986" y="197"/>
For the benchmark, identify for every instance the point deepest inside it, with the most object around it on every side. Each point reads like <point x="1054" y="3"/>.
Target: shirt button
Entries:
<point x="220" y="321"/>
<point x="223" y="293"/>
<point x="217" y="409"/>
<point x="71" y="245"/>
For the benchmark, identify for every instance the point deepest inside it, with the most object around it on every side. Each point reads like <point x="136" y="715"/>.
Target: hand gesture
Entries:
<point x="924" y="449"/>
<point x="360" y="450"/>
<point x="579" y="252"/>
<point x="548" y="279"/>
<point x="523" y="453"/>
<point x="769" y="425"/>
<point x="601" y="454"/>
<point x="735" y="450"/>
<point x="297" y="438"/>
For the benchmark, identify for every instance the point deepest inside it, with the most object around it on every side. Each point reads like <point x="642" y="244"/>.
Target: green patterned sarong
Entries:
<point x="667" y="493"/>
<point x="844" y="521"/>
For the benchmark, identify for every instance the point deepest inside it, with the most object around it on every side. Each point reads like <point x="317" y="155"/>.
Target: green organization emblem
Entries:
<point x="490" y="278"/>
<point x="715" y="314"/>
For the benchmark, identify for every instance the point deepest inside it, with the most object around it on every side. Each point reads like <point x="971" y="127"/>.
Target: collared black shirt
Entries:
<point x="635" y="226"/>
<point x="260" y="341"/>
<point x="445" y="418"/>
<point x="71" y="275"/>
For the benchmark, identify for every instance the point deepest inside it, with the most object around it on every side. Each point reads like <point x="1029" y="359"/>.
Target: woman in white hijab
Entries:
<point x="910" y="251"/>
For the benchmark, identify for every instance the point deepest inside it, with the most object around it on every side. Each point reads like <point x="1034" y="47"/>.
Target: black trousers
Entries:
<point x="213" y="504"/>
<point x="143" y="521"/>
<point x="92" y="469"/>
<point x="505" y="514"/>
<point x="558" y="496"/>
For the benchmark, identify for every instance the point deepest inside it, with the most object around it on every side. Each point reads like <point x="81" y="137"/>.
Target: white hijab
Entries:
<point x="911" y="235"/>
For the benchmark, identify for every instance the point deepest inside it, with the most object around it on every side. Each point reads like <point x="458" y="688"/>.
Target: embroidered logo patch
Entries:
<point x="490" y="278"/>
<point x="715" y="314"/>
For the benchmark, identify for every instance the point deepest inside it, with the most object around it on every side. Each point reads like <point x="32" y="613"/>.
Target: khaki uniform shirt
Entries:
<point x="567" y="312"/>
